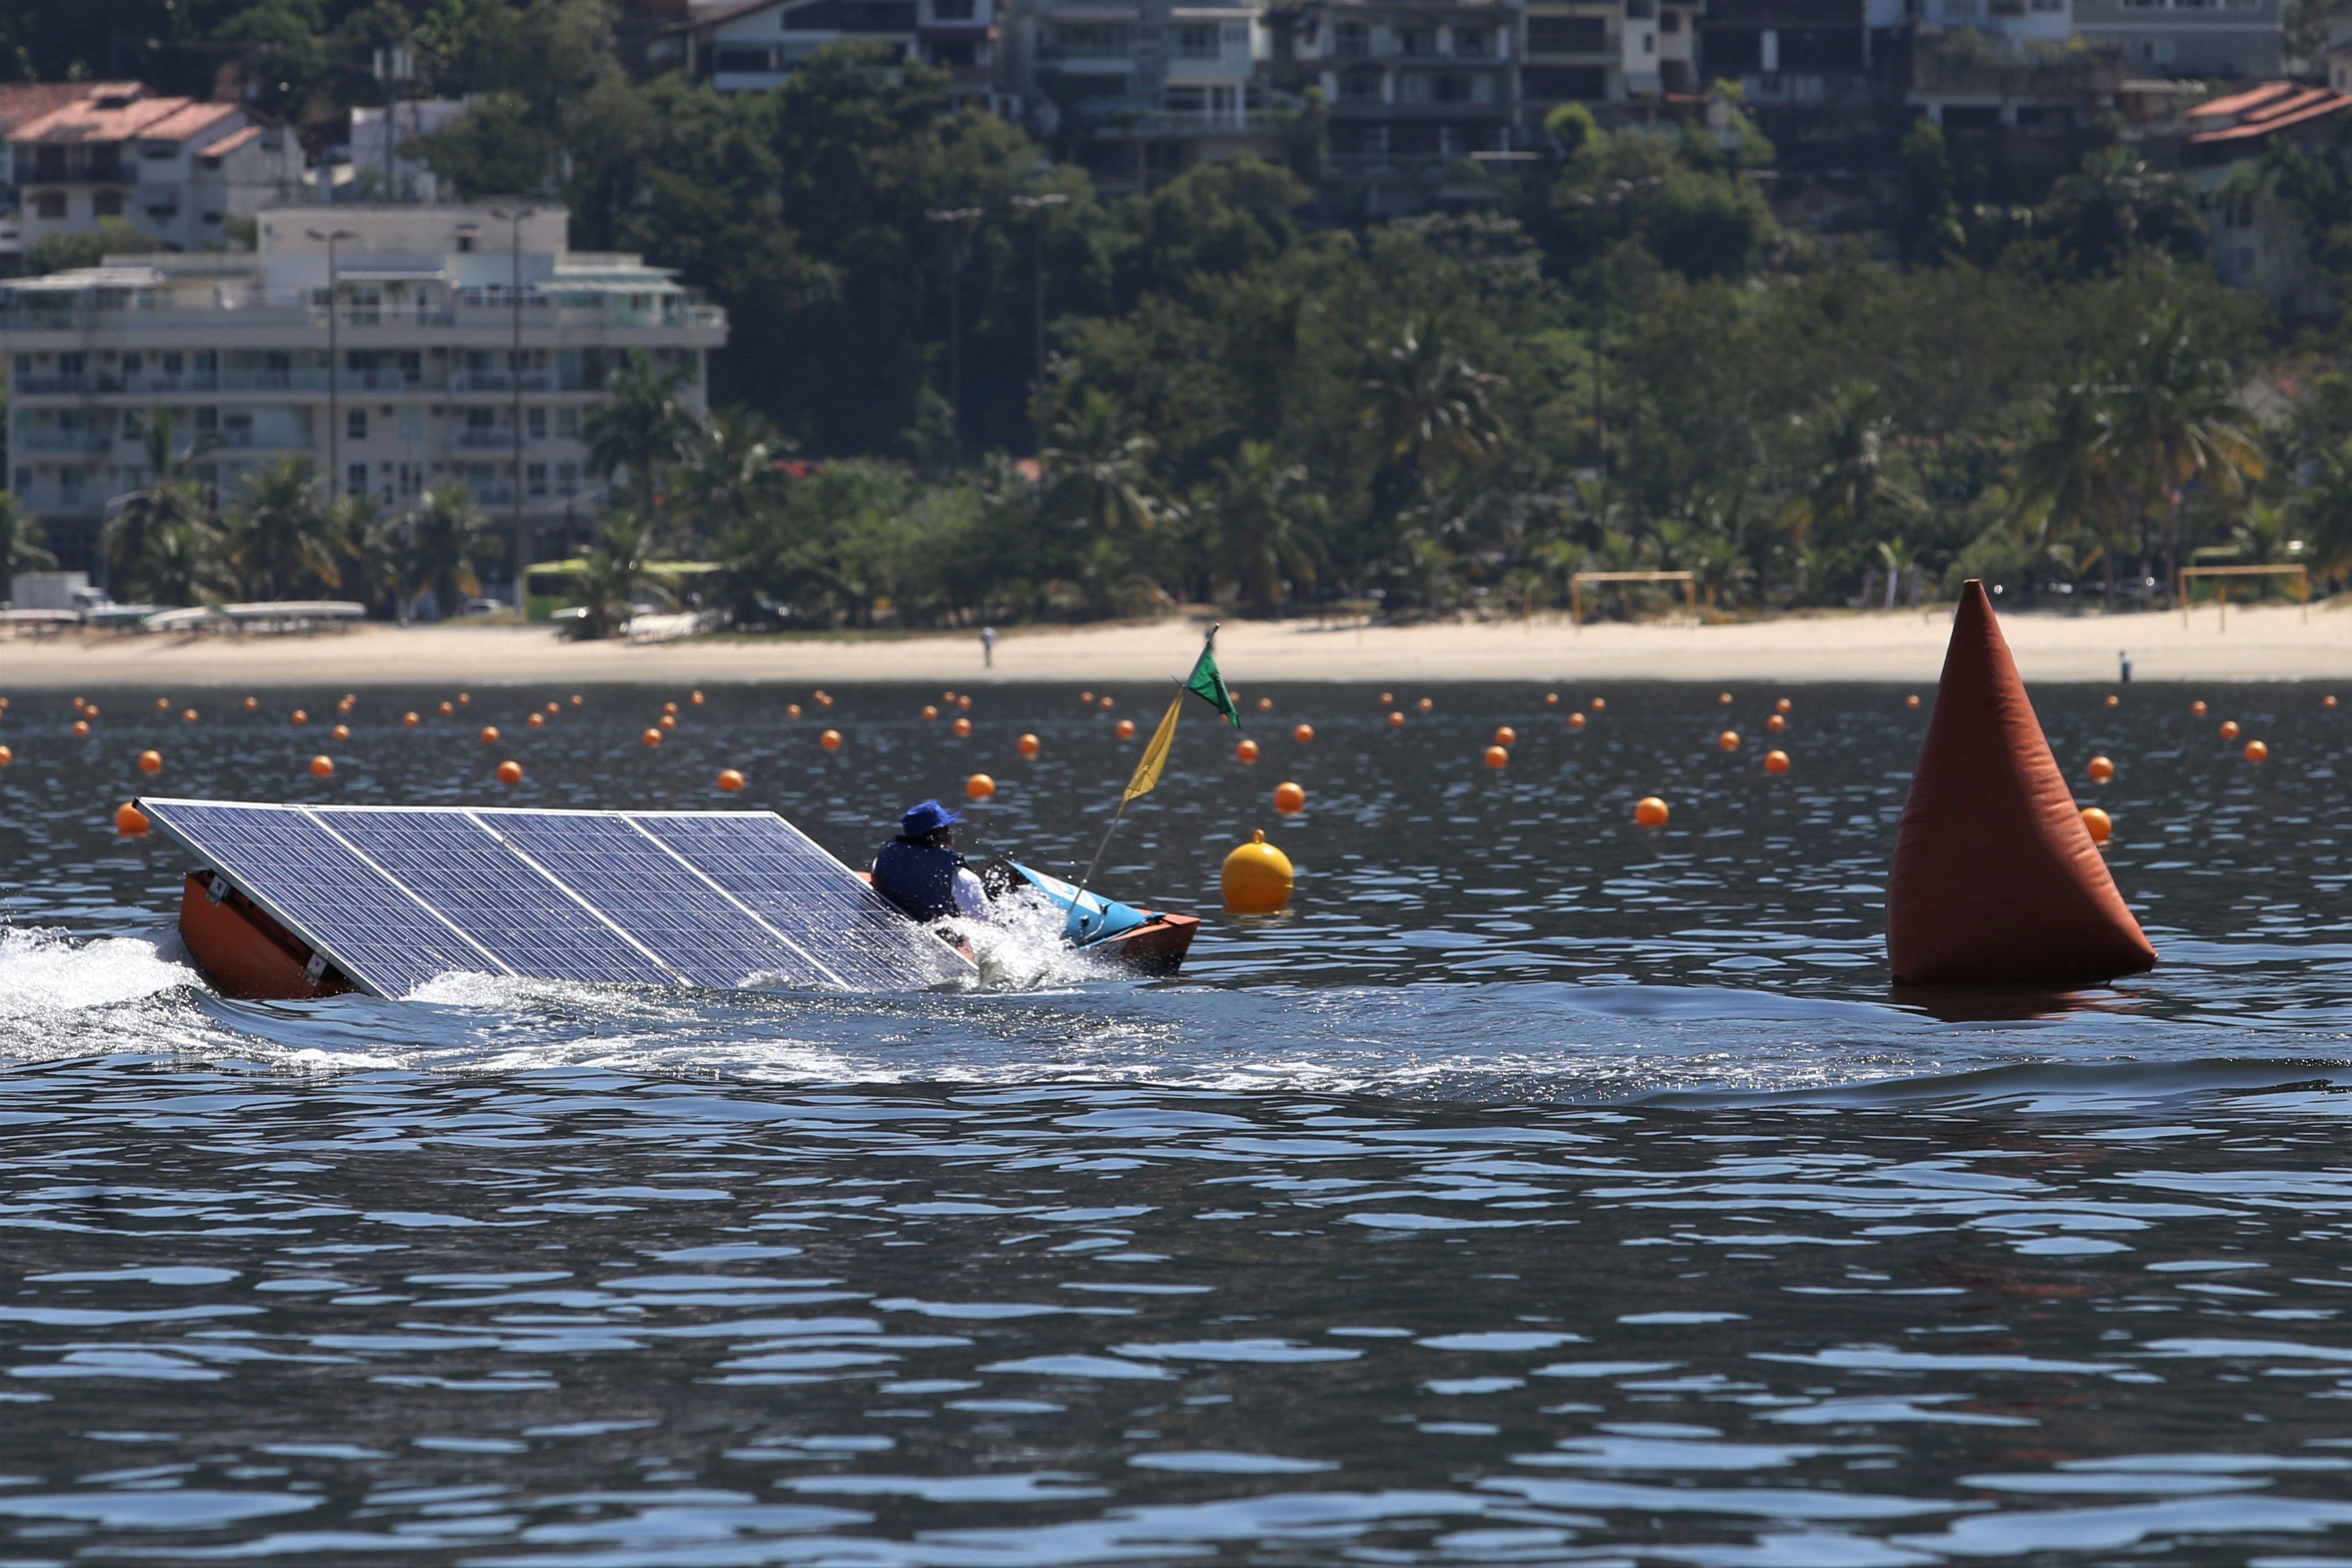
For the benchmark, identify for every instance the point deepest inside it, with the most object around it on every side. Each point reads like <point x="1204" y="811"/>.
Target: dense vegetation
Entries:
<point x="1619" y="360"/>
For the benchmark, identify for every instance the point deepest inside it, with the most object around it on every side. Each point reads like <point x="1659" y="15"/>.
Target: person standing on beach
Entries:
<point x="988" y="647"/>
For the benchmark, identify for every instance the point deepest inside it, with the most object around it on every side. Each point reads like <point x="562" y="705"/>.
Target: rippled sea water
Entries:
<point x="1540" y="1190"/>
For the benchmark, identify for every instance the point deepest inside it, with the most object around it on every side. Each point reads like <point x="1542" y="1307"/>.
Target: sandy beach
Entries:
<point x="2274" y="642"/>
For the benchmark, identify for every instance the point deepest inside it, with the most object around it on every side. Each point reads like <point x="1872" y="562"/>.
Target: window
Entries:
<point x="1361" y="87"/>
<point x="1196" y="41"/>
<point x="742" y="61"/>
<point x="159" y="149"/>
<point x="1649" y="43"/>
<point x="355" y="479"/>
<point x="538" y="423"/>
<point x="1584" y="82"/>
<point x="1473" y="43"/>
<point x="952" y="10"/>
<point x="1672" y="22"/>
<point x="567" y="479"/>
<point x="1354" y="40"/>
<point x="106" y="204"/>
<point x="354" y="424"/>
<point x="464" y="243"/>
<point x="410" y="424"/>
<point x="1186" y="101"/>
<point x="535" y="476"/>
<point x="49" y="204"/>
<point x="567" y="424"/>
<point x="1568" y="35"/>
<point x="1416" y="40"/>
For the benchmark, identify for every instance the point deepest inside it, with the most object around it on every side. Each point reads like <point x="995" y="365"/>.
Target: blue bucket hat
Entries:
<point x="928" y="817"/>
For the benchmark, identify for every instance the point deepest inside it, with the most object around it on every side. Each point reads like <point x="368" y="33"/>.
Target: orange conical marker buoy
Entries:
<point x="1996" y="881"/>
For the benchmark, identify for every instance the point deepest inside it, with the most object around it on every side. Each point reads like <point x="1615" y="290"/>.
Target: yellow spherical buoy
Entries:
<point x="1304" y="734"/>
<point x="2101" y="770"/>
<point x="1911" y="701"/>
<point x="1782" y="706"/>
<point x="2114" y="700"/>
<point x="1505" y="736"/>
<point x="1775" y="762"/>
<point x="490" y="734"/>
<point x="830" y="739"/>
<point x="1257" y="877"/>
<point x="130" y="822"/>
<point x="963" y="726"/>
<point x="1776" y="723"/>
<point x="251" y="703"/>
<point x="410" y="719"/>
<point x="1576" y="721"/>
<point x="1396" y="718"/>
<point x="322" y="767"/>
<point x="1427" y="705"/>
<point x="509" y="772"/>
<point x="2229" y="729"/>
<point x="695" y="698"/>
<point x="2098" y="823"/>
<point x="1498" y="757"/>
<point x="189" y="717"/>
<point x="731" y="781"/>
<point x="340" y="733"/>
<point x="1126" y="731"/>
<point x="150" y="762"/>
<point x="536" y="721"/>
<point x="1029" y="746"/>
<point x="668" y="722"/>
<point x="1650" y="811"/>
<point x="1729" y="740"/>
<point x="1265" y="704"/>
<point x="653" y="737"/>
<point x="1600" y="705"/>
<point x="1246" y="751"/>
<point x="448" y="709"/>
<point x="2256" y="752"/>
<point x="792" y="709"/>
<point x="2197" y="710"/>
<point x="930" y="711"/>
<point x="1289" y="799"/>
<point x="80" y="727"/>
<point x="980" y="786"/>
<point x="299" y="717"/>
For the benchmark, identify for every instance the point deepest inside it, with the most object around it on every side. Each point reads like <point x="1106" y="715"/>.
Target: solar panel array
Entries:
<point x="396" y="895"/>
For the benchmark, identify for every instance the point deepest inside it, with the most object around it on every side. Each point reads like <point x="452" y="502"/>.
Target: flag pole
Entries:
<point x="1132" y="794"/>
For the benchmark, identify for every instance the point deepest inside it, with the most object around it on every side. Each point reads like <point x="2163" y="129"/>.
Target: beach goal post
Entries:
<point x="1576" y="589"/>
<point x="2186" y="575"/>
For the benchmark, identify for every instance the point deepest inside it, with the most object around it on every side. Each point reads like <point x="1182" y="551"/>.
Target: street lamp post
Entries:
<point x="334" y="365"/>
<point x="514" y="217"/>
<point x="1037" y="207"/>
<point x="963" y="217"/>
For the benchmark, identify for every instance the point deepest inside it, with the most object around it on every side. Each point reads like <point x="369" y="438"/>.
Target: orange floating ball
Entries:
<point x="1108" y="704"/>
<point x="2100" y="769"/>
<point x="1029" y="747"/>
<point x="2256" y="752"/>
<point x="824" y="700"/>
<point x="536" y="721"/>
<point x="300" y="717"/>
<point x="554" y="708"/>
<point x="1729" y="740"/>
<point x="1576" y="721"/>
<point x="1387" y="698"/>
<point x="464" y="697"/>
<point x="162" y="705"/>
<point x="1126" y="731"/>
<point x="948" y="695"/>
<point x="1304" y="734"/>
<point x="448" y="709"/>
<point x="1427" y="705"/>
<point x="189" y="717"/>
<point x="251" y="703"/>
<point x="669" y="720"/>
<point x="340" y="733"/>
<point x="1087" y="697"/>
<point x="2099" y="824"/>
<point x="1396" y="720"/>
<point x="669" y="707"/>
<point x="90" y="711"/>
<point x="980" y="786"/>
<point x="1600" y="705"/>
<point x="652" y="737"/>
<point x="2229" y="729"/>
<point x="930" y="711"/>
<point x="6" y="756"/>
<point x="1265" y="704"/>
<point x="964" y="702"/>
<point x="2197" y="710"/>
<point x="1782" y="706"/>
<point x="1505" y="736"/>
<point x="830" y="739"/>
<point x="1650" y="811"/>
<point x="1911" y="701"/>
<point x="490" y="734"/>
<point x="1289" y="799"/>
<point x="1246" y="751"/>
<point x="1775" y="762"/>
<point x="2327" y="702"/>
<point x="322" y="767"/>
<point x="80" y="727"/>
<point x="79" y="703"/>
<point x="577" y="700"/>
<point x="1498" y="757"/>
<point x="130" y="822"/>
<point x="1551" y="698"/>
<point x="731" y="781"/>
<point x="410" y="719"/>
<point x="792" y="709"/>
<point x="695" y="698"/>
<point x="509" y="772"/>
<point x="2114" y="700"/>
<point x="962" y="726"/>
<point x="150" y="762"/>
<point x="1776" y="723"/>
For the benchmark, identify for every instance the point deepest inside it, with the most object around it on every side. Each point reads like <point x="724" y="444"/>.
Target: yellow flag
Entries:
<point x="1155" y="757"/>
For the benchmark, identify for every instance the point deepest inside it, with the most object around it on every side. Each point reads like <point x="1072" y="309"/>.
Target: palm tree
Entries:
<point x="1853" y="495"/>
<point x="442" y="535"/>
<point x="170" y="498"/>
<point x="20" y="542"/>
<point x="1265" y="530"/>
<point x="2178" y="421"/>
<point x="1099" y="478"/>
<point x="2325" y="508"/>
<point x="615" y="572"/>
<point x="727" y="472"/>
<point x="182" y="565"/>
<point x="372" y="549"/>
<point x="2114" y="205"/>
<point x="282" y="534"/>
<point x="1425" y="404"/>
<point x="639" y="428"/>
<point x="2068" y="472"/>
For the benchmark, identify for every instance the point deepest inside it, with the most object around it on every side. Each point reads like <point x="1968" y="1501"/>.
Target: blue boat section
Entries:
<point x="1092" y="917"/>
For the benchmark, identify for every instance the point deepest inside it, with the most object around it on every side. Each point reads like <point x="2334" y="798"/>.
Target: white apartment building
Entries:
<point x="414" y="379"/>
<point x="174" y="168"/>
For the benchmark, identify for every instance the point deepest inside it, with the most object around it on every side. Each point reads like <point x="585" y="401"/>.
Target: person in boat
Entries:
<point x="920" y="872"/>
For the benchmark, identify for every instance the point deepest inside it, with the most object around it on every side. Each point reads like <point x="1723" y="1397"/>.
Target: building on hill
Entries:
<point x="380" y="171"/>
<point x="754" y="47"/>
<point x="2256" y="240"/>
<point x="413" y="379"/>
<point x="176" y="169"/>
<point x="2011" y="84"/>
<point x="1609" y="52"/>
<point x="2187" y="38"/>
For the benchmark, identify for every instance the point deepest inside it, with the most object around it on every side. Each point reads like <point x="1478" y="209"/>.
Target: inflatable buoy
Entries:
<point x="963" y="726"/>
<point x="964" y="703"/>
<point x="1911" y="701"/>
<point x="490" y="734"/>
<point x="1304" y="734"/>
<point x="695" y="698"/>
<point x="2327" y="702"/>
<point x="322" y="767"/>
<point x="90" y="711"/>
<point x="2114" y="700"/>
<point x="731" y="781"/>
<point x="1600" y="705"/>
<point x="1265" y="704"/>
<point x="251" y="703"/>
<point x="1428" y="704"/>
<point x="1996" y="880"/>
<point x="2229" y="729"/>
<point x="1782" y="706"/>
<point x="465" y="698"/>
<point x="1387" y="698"/>
<point x="162" y="705"/>
<point x="1108" y="705"/>
<point x="1551" y="698"/>
<point x="6" y="756"/>
<point x="2097" y="824"/>
<point x="1257" y="877"/>
<point x="1576" y="721"/>
<point x="80" y="727"/>
<point x="554" y="708"/>
<point x="930" y="711"/>
<point x="189" y="717"/>
<point x="667" y="721"/>
<point x="1396" y="720"/>
<point x="2101" y="770"/>
<point x="130" y="822"/>
<point x="1087" y="698"/>
<point x="980" y="786"/>
<point x="410" y="719"/>
<point x="653" y="737"/>
<point x="1245" y="752"/>
<point x="448" y="709"/>
<point x="670" y="708"/>
<point x="1724" y="698"/>
<point x="1289" y="799"/>
<point x="1126" y="729"/>
<point x="792" y="709"/>
<point x="299" y="717"/>
<point x="150" y="762"/>
<point x="535" y="721"/>
<point x="340" y="733"/>
<point x="1506" y="736"/>
<point x="1498" y="757"/>
<point x="1776" y="723"/>
<point x="1728" y="741"/>
<point x="2256" y="752"/>
<point x="2197" y="710"/>
<point x="830" y="739"/>
<point x="510" y="772"/>
<point x="577" y="700"/>
<point x="1650" y="811"/>
<point x="1029" y="746"/>
<point x="1775" y="762"/>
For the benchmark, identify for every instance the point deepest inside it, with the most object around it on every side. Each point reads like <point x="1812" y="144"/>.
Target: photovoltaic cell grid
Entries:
<point x="397" y="895"/>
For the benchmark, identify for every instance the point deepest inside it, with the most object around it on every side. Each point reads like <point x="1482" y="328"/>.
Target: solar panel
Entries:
<point x="396" y="895"/>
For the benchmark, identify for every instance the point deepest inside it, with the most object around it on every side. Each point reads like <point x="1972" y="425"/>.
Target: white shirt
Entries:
<point x="971" y="897"/>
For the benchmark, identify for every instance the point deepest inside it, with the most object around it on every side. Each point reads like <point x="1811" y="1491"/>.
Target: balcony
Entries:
<point x="61" y="441"/>
<point x="62" y="498"/>
<point x="1970" y="66"/>
<point x="497" y="438"/>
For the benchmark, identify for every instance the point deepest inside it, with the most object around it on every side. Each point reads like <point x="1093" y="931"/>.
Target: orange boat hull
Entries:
<point x="245" y="952"/>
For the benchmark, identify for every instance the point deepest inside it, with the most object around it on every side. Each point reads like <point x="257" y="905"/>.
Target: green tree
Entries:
<point x="616" y="573"/>
<point x="2179" y="422"/>
<point x="2116" y="206"/>
<point x="445" y="533"/>
<point x="282" y="536"/>
<point x="1265" y="513"/>
<point x="20" y="540"/>
<point x="170" y="498"/>
<point x="184" y="566"/>
<point x="499" y="148"/>
<point x="1101" y="475"/>
<point x="639" y="429"/>
<point x="2070" y="473"/>
<point x="64" y="250"/>
<point x="1851" y="498"/>
<point x="727" y="472"/>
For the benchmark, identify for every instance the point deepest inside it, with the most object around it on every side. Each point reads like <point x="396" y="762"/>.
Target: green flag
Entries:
<point x="1209" y="685"/>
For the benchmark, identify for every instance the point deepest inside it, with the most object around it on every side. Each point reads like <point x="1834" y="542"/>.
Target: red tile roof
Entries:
<point x="91" y="119"/>
<point x="2264" y="111"/>
<point x="2239" y="102"/>
<point x="230" y="142"/>
<point x="21" y="100"/>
